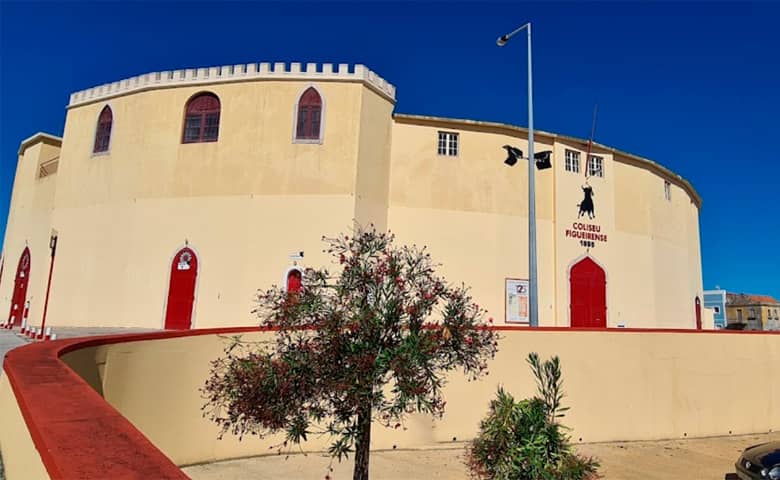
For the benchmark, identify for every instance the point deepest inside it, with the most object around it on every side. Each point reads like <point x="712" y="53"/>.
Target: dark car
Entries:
<point x="760" y="462"/>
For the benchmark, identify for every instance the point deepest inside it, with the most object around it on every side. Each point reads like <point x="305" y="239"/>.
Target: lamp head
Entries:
<point x="513" y="154"/>
<point x="502" y="40"/>
<point x="543" y="160"/>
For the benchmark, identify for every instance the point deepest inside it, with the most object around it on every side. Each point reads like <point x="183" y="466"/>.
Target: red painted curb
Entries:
<point x="76" y="432"/>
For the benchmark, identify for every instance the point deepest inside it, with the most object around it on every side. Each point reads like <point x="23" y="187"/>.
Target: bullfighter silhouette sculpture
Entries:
<point x="586" y="206"/>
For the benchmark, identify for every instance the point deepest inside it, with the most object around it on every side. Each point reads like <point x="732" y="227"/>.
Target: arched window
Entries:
<point x="309" y="117"/>
<point x="294" y="281"/>
<point x="201" y="121"/>
<point x="103" y="131"/>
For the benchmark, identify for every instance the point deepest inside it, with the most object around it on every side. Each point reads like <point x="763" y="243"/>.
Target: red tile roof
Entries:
<point x="747" y="299"/>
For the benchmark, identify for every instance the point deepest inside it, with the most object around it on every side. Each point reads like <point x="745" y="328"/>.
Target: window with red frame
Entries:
<point x="309" y="115"/>
<point x="201" y="122"/>
<point x="103" y="131"/>
<point x="294" y="281"/>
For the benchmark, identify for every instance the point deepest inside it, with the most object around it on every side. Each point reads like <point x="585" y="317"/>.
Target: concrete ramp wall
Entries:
<point x="130" y="405"/>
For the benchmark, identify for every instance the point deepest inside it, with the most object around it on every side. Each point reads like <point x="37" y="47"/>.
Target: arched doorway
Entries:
<point x="294" y="281"/>
<point x="698" y="313"/>
<point x="21" y="281"/>
<point x="588" y="295"/>
<point x="181" y="290"/>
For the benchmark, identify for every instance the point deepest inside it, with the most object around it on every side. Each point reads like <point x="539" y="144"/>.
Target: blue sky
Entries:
<point x="694" y="86"/>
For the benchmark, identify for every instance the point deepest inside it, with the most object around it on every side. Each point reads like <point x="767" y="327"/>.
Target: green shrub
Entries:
<point x="523" y="440"/>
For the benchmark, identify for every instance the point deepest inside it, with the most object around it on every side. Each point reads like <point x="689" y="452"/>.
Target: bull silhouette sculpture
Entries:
<point x="586" y="206"/>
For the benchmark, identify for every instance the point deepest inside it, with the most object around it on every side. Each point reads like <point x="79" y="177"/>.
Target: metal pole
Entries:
<point x="533" y="287"/>
<point x="53" y="246"/>
<point x="533" y="310"/>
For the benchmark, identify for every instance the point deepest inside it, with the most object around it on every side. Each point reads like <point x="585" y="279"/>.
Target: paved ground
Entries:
<point x="10" y="339"/>
<point x="700" y="459"/>
<point x="71" y="332"/>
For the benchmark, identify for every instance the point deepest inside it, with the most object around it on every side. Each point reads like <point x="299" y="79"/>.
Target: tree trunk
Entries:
<point x="363" y="443"/>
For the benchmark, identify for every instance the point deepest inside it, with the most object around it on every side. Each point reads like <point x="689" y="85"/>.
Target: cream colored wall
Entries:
<point x="21" y="460"/>
<point x="478" y="249"/>
<point x="634" y="386"/>
<point x="155" y="385"/>
<point x="657" y="242"/>
<point x="121" y="268"/>
<point x="246" y="202"/>
<point x="255" y="152"/>
<point x="476" y="180"/>
<point x="29" y="224"/>
<point x="568" y="251"/>
<point x="619" y="385"/>
<point x="243" y="203"/>
<point x="472" y="211"/>
<point x="372" y="183"/>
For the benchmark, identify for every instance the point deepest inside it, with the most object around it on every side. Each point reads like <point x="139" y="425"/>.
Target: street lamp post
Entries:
<point x="533" y="311"/>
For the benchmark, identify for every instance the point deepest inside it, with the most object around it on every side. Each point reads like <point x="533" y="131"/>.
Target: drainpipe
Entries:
<point x="53" y="247"/>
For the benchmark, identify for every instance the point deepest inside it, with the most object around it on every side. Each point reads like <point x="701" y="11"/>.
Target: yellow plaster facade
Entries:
<point x="756" y="316"/>
<point x="247" y="201"/>
<point x="620" y="385"/>
<point x="21" y="460"/>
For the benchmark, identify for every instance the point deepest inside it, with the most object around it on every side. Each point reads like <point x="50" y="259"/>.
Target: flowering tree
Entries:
<point x="371" y="343"/>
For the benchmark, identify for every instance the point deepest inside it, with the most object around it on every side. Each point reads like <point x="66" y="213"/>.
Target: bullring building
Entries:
<point x="173" y="196"/>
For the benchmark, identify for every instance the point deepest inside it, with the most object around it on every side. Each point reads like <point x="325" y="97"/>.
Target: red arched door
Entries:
<point x="294" y="281"/>
<point x="21" y="281"/>
<point x="698" y="314"/>
<point x="588" y="295"/>
<point x="181" y="290"/>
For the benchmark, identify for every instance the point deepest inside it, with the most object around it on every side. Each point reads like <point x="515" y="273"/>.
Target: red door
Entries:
<point x="698" y="314"/>
<point x="21" y="281"/>
<point x="588" y="295"/>
<point x="181" y="290"/>
<point x="294" y="281"/>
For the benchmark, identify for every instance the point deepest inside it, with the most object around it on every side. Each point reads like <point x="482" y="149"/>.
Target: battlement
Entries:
<point x="236" y="73"/>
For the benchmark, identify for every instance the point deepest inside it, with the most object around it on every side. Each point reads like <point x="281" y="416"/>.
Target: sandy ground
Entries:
<point x="692" y="459"/>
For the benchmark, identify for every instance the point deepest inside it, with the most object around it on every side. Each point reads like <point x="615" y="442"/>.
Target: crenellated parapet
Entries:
<point x="236" y="73"/>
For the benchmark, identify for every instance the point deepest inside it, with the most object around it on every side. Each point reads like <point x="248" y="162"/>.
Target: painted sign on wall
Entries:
<point x="586" y="231"/>
<point x="516" y="306"/>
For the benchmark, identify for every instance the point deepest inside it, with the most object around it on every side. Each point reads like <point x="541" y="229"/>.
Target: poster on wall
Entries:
<point x="516" y="300"/>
